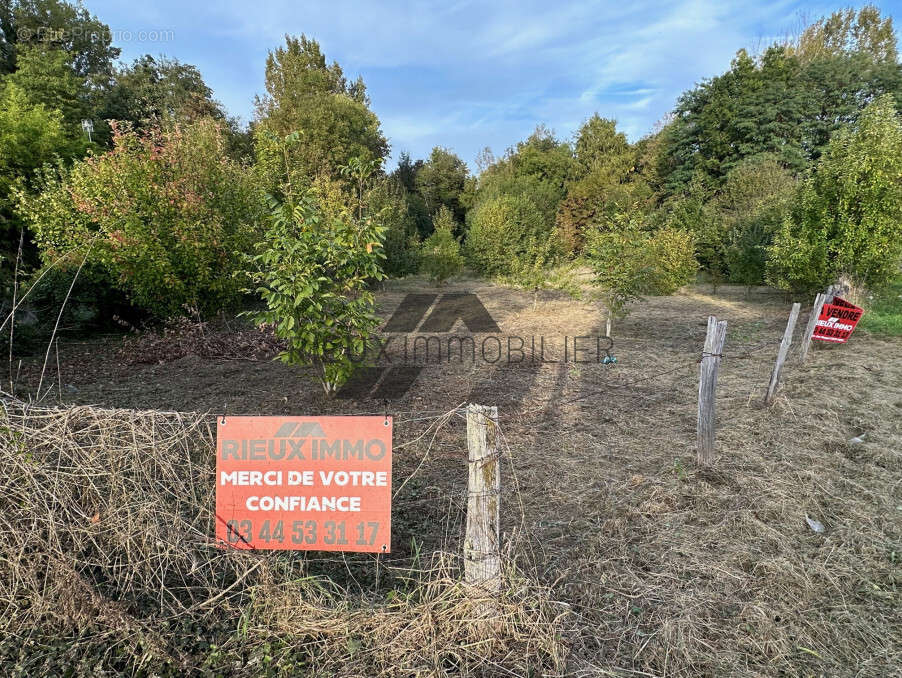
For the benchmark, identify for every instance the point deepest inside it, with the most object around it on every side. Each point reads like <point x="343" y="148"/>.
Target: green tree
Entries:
<point x="506" y="231"/>
<point x="389" y="200"/>
<point x="542" y="156"/>
<point x="64" y="26"/>
<point x="441" y="180"/>
<point x="313" y="269"/>
<point x="30" y="135"/>
<point x="152" y="90"/>
<point x="849" y="217"/>
<point x="305" y="95"/>
<point x="537" y="170"/>
<point x="47" y="78"/>
<point x="629" y="263"/>
<point x="166" y="215"/>
<point x="440" y="255"/>
<point x="599" y="147"/>
<point x="607" y="182"/>
<point x="405" y="174"/>
<point x="782" y="102"/>
<point x="847" y="32"/>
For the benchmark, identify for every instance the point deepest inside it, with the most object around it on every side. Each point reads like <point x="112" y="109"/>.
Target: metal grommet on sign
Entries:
<point x="222" y="420"/>
<point x="384" y="548"/>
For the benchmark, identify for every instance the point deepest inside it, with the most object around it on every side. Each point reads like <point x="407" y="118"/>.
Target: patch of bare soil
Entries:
<point x="667" y="568"/>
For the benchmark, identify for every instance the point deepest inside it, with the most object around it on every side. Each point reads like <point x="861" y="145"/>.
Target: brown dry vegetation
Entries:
<point x="625" y="557"/>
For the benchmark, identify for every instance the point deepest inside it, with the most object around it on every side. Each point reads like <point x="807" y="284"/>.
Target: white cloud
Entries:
<point x="470" y="74"/>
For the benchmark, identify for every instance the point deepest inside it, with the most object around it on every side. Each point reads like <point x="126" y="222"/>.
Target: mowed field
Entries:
<point x="658" y="567"/>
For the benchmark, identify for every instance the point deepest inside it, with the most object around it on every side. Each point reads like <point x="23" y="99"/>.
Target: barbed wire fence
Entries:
<point x="85" y="485"/>
<point x="435" y="420"/>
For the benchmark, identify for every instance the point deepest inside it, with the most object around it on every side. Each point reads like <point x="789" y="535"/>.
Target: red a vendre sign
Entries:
<point x="304" y="483"/>
<point x="836" y="321"/>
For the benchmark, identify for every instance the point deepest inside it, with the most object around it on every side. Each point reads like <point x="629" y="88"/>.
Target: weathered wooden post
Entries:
<point x="837" y="289"/>
<point x="812" y="323"/>
<point x="782" y="353"/>
<point x="707" y="387"/>
<point x="482" y="557"/>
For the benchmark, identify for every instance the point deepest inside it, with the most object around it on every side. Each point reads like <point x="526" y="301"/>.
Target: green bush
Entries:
<point x="440" y="256"/>
<point x="757" y="195"/>
<point x="745" y="253"/>
<point x="86" y="303"/>
<point x="313" y="271"/>
<point x="390" y="200"/>
<point x="507" y="231"/>
<point x="166" y="215"/>
<point x="849" y="218"/>
<point x="543" y="195"/>
<point x="539" y="274"/>
<point x="673" y="261"/>
<point x="883" y="312"/>
<point x="630" y="263"/>
<point x="693" y="212"/>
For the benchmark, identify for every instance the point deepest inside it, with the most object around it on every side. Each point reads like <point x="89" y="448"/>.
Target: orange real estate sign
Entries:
<point x="304" y="483"/>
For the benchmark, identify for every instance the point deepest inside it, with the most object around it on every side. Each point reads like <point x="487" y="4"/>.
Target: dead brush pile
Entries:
<point x="180" y="337"/>
<point x="107" y="567"/>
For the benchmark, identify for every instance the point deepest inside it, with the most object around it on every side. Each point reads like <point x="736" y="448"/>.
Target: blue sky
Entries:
<point x="466" y="75"/>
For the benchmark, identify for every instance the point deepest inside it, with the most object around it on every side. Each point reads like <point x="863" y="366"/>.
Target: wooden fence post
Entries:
<point x="482" y="557"/>
<point x="707" y="387"/>
<point x="837" y="289"/>
<point x="781" y="355"/>
<point x="812" y="323"/>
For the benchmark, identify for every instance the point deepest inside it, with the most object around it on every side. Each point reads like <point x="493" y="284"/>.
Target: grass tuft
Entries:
<point x="883" y="313"/>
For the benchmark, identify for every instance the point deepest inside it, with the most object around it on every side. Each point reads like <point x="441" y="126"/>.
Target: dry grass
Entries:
<point x="667" y="569"/>
<point x="107" y="567"/>
<point x="678" y="570"/>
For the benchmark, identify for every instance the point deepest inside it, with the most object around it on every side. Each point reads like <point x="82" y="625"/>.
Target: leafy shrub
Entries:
<point x="539" y="274"/>
<point x="313" y="272"/>
<point x="629" y="263"/>
<point x="506" y="231"/>
<point x="440" y="255"/>
<point x="84" y="303"/>
<point x="166" y="215"/>
<point x="574" y="218"/>
<point x="849" y="217"/>
<point x="757" y="195"/>
<point x="693" y="212"/>
<point x="544" y="195"/>
<point x="390" y="201"/>
<point x="745" y="252"/>
<point x="674" y="263"/>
